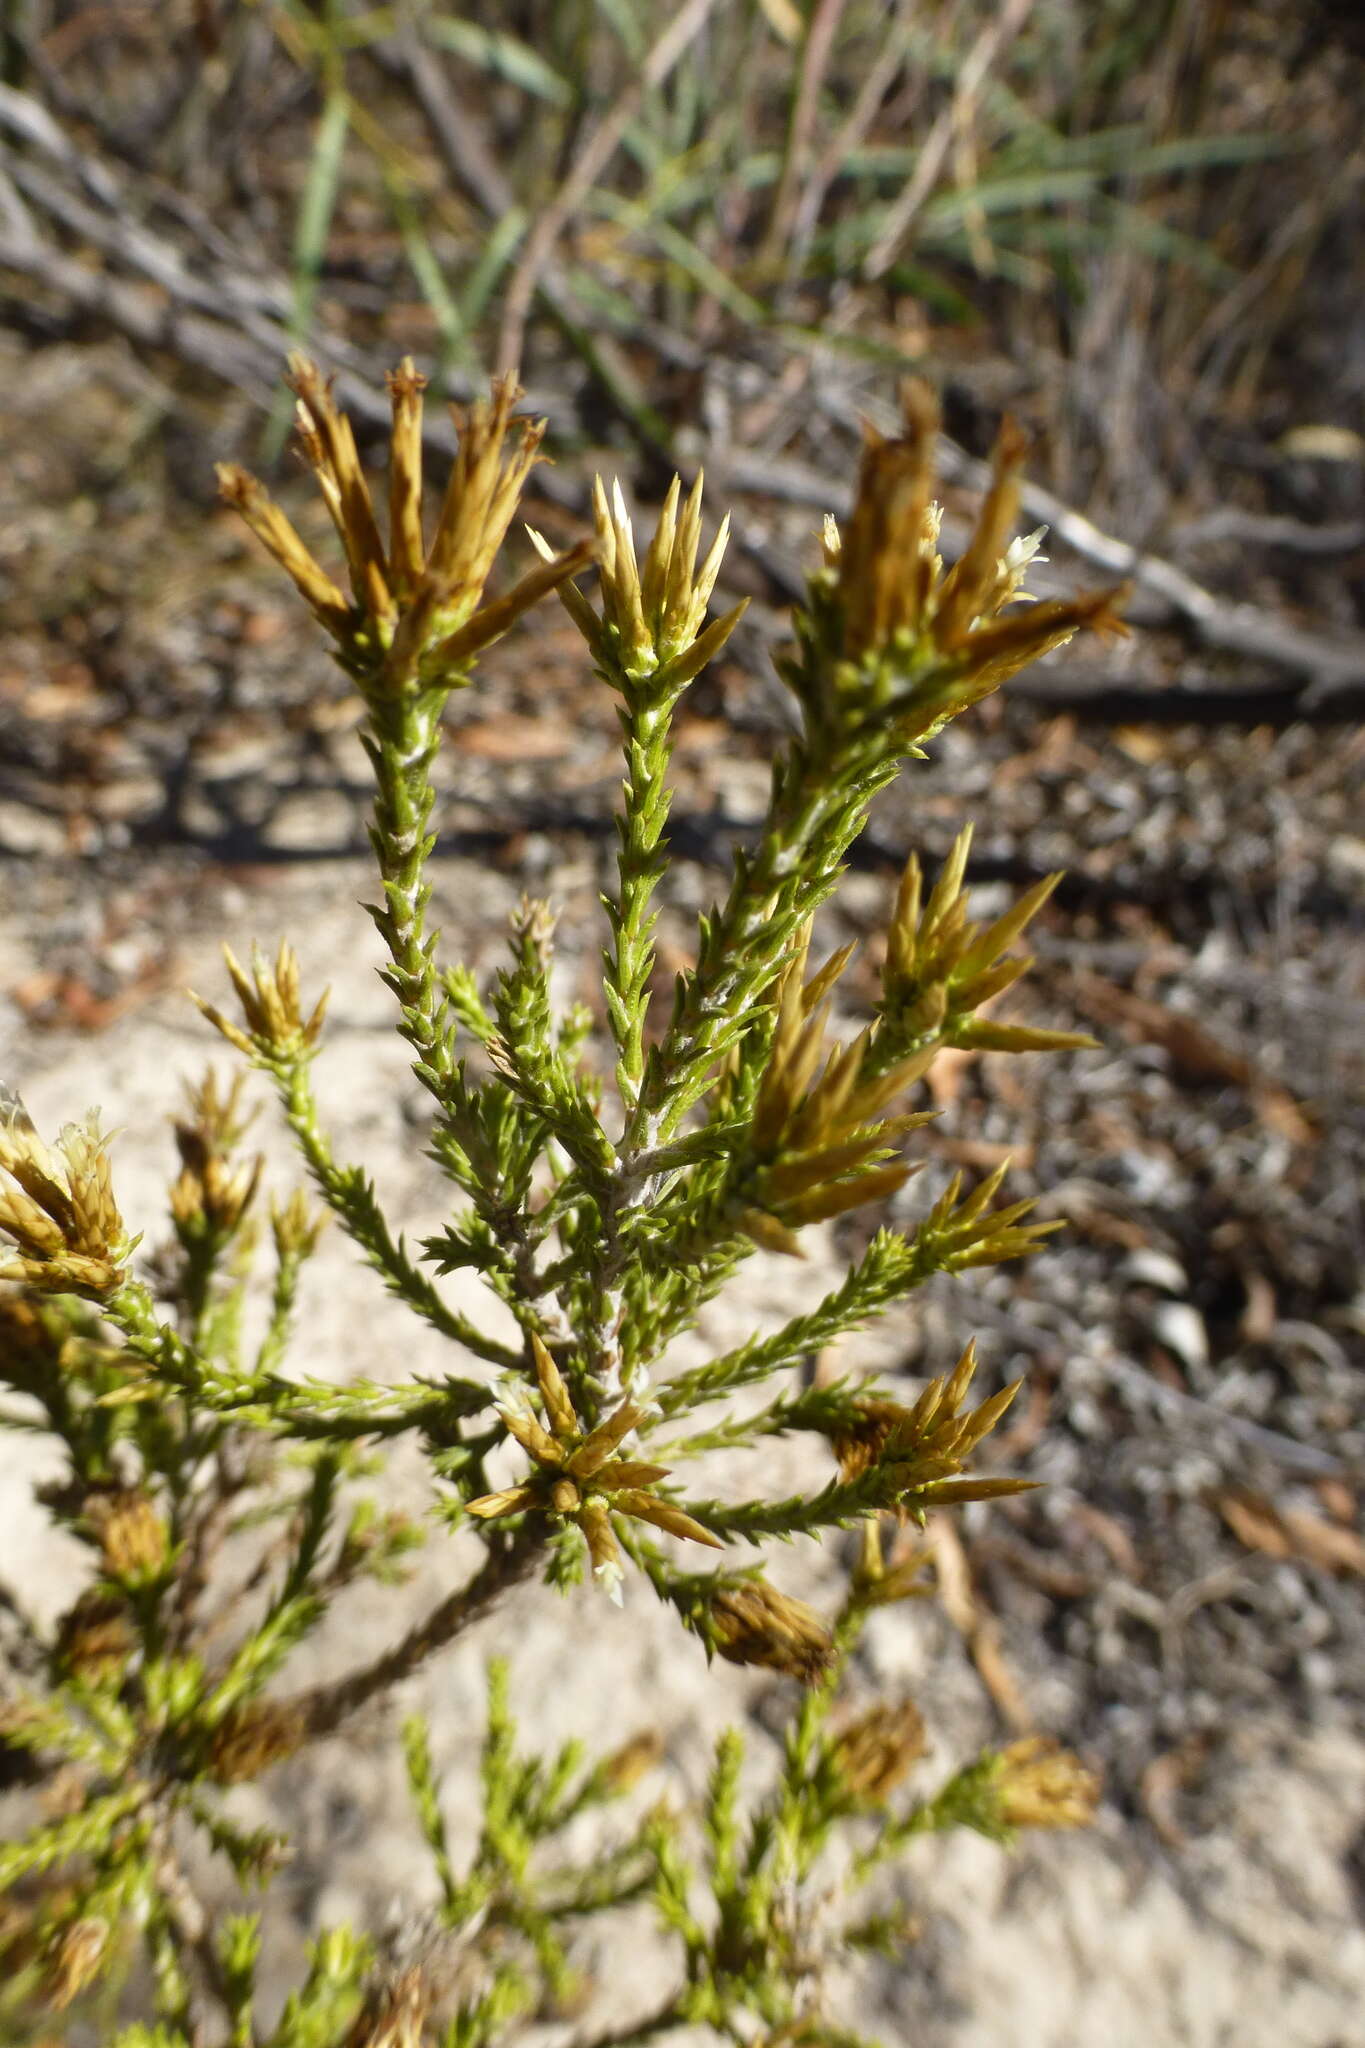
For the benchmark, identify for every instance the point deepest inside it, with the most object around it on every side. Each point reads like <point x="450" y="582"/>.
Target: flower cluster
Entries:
<point x="60" y="1211"/>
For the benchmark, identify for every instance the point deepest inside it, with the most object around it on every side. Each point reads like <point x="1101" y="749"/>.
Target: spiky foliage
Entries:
<point x="602" y="1219"/>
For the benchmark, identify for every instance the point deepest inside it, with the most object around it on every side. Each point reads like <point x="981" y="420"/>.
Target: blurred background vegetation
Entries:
<point x="1132" y="221"/>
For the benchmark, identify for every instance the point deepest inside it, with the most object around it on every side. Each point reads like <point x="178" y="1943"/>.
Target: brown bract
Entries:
<point x="891" y="589"/>
<point x="74" y="1959"/>
<point x="941" y="968"/>
<point x="875" y="1753"/>
<point x="275" y="1024"/>
<point x="1041" y="1785"/>
<point x="394" y="2015"/>
<point x="820" y="1141"/>
<point x="252" y="1738"/>
<point x="653" y="620"/>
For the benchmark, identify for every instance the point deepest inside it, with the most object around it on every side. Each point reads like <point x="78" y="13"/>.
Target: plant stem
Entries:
<point x="402" y="742"/>
<point x="325" y="1707"/>
<point x="816" y="811"/>
<point x="640" y="865"/>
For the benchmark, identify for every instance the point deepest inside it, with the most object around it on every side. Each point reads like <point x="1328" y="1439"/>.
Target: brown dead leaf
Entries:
<point x="1144" y="743"/>
<point x="1195" y="1054"/>
<point x="980" y="1630"/>
<point x="1338" y="1499"/>
<point x="1257" y="1322"/>
<point x="512" y="737"/>
<point x="1111" y="1536"/>
<point x="1059" y="1581"/>
<point x="1164" y="1778"/>
<point x="982" y="1153"/>
<point x="1027" y="1421"/>
<point x="1280" y="1113"/>
<point x="65" y="1002"/>
<point x="953" y="1573"/>
<point x="1325" y="1543"/>
<point x="1260" y="1525"/>
<point x="998" y="1678"/>
<point x="947" y="1074"/>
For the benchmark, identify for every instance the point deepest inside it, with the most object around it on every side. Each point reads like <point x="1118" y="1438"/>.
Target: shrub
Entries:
<point x="602" y="1212"/>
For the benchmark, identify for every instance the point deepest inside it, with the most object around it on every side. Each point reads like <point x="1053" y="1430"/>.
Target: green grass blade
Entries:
<point x="312" y="228"/>
<point x="503" y="55"/>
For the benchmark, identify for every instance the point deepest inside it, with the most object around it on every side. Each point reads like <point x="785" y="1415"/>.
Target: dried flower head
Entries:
<point x="253" y="1737"/>
<point x="29" y="1346"/>
<point x="75" y="1958"/>
<point x="878" y="1750"/>
<point x="750" y="1622"/>
<point x="1038" y="1784"/>
<point x="60" y="1212"/>
<point x="578" y="1477"/>
<point x="296" y="1226"/>
<point x="132" y="1536"/>
<point x="881" y="1582"/>
<point x="415" y="614"/>
<point x="653" y="624"/>
<point x="924" y="1446"/>
<point x="212" y="1193"/>
<point x="889" y="617"/>
<point x="633" y="1760"/>
<point x="941" y="969"/>
<point x="394" y="2014"/>
<point x="275" y="1026"/>
<point x="886" y="564"/>
<point x="95" y="1638"/>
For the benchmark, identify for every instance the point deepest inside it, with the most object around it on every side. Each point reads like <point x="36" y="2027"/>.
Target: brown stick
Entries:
<point x="593" y="157"/>
<point x="815" y="55"/>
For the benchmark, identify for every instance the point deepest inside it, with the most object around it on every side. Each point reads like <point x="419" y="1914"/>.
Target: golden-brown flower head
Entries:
<point x="941" y="968"/>
<point x="296" y="1226"/>
<point x="652" y="632"/>
<point x="212" y="1192"/>
<point x="415" y="615"/>
<point x="886" y="564"/>
<point x="74" y="1959"/>
<point x="820" y="1143"/>
<point x="132" y="1535"/>
<point x="578" y="1476"/>
<point x="60" y="1209"/>
<point x="923" y="1447"/>
<point x="750" y="1622"/>
<point x="95" y="1638"/>
<point x="633" y="1760"/>
<point x="1038" y="1784"/>
<point x="252" y="1737"/>
<point x="887" y="630"/>
<point x="873" y="1754"/>
<point x="394" y="2014"/>
<point x="269" y="996"/>
<point x="31" y="1346"/>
